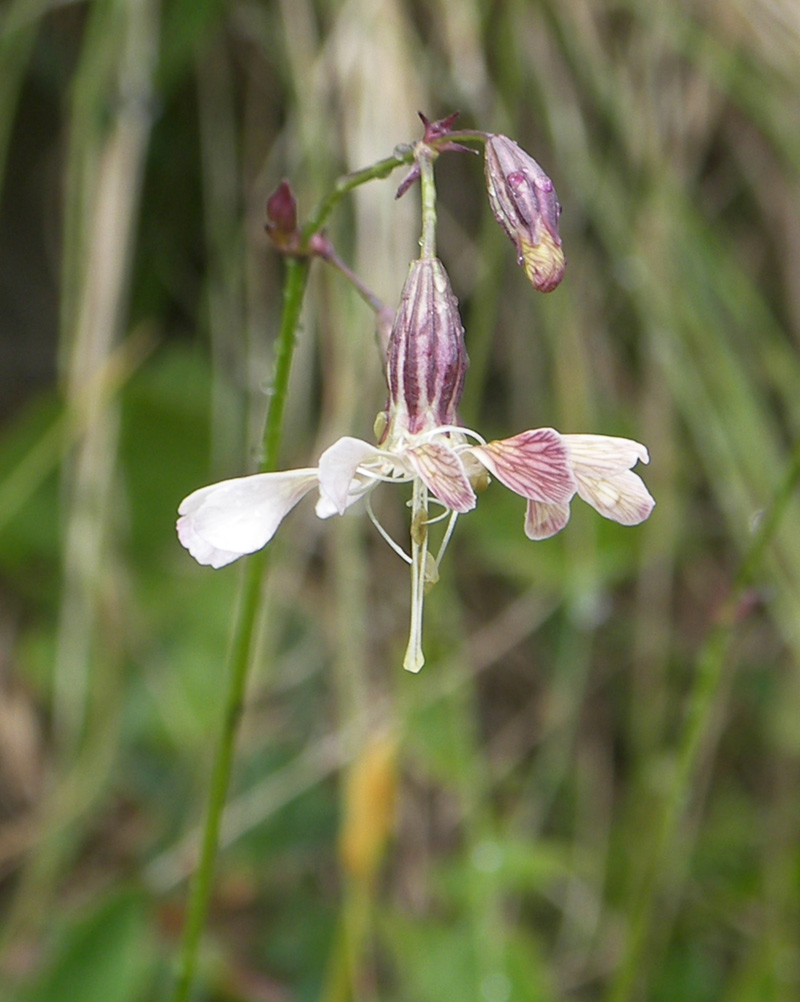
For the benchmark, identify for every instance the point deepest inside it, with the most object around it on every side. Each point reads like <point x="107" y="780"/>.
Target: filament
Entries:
<point x="398" y="549"/>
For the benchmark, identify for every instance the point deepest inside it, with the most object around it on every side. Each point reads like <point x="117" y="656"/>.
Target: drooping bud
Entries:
<point x="525" y="204"/>
<point x="281" y="222"/>
<point x="426" y="360"/>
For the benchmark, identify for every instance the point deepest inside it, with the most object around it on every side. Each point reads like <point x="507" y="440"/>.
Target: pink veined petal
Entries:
<point x="545" y="520"/>
<point x="623" y="497"/>
<point x="534" y="464"/>
<point x="224" y="521"/>
<point x="337" y="467"/>
<point x="602" y="455"/>
<point x="440" y="469"/>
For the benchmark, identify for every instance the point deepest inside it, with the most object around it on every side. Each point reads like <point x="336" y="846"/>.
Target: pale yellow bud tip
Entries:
<point x="544" y="262"/>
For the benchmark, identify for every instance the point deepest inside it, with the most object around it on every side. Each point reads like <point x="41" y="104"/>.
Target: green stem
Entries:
<point x="294" y="289"/>
<point x="428" y="187"/>
<point x="244" y="630"/>
<point x="346" y="183"/>
<point x="699" y="731"/>
<point x="242" y="645"/>
<point x="468" y="135"/>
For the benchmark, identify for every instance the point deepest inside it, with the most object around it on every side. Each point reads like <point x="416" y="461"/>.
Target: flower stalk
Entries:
<point x="428" y="188"/>
<point x="242" y="644"/>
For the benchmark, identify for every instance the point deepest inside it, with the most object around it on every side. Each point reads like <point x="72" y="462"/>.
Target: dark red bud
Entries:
<point x="282" y="217"/>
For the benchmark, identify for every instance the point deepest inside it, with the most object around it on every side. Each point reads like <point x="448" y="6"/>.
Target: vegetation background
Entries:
<point x="592" y="791"/>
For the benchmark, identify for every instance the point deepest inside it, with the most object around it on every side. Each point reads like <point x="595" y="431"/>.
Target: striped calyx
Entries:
<point x="426" y="359"/>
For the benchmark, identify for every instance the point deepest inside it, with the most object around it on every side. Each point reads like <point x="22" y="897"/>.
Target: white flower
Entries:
<point x="423" y="445"/>
<point x="227" y="520"/>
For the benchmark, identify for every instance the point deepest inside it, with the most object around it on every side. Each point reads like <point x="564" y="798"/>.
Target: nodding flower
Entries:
<point x="525" y="204"/>
<point x="422" y="444"/>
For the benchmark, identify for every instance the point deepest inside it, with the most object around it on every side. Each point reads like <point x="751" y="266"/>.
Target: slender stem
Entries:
<point x="699" y="731"/>
<point x="200" y="894"/>
<point x="468" y="135"/>
<point x="428" y="186"/>
<point x="346" y="183"/>
<point x="369" y="297"/>
<point x="244" y="630"/>
<point x="294" y="289"/>
<point x="242" y="646"/>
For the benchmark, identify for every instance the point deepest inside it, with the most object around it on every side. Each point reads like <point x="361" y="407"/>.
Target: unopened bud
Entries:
<point x="282" y="218"/>
<point x="427" y="360"/>
<point x="525" y="204"/>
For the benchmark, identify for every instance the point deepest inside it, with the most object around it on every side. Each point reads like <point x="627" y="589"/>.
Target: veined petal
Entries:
<point x="337" y="467"/>
<point x="545" y="520"/>
<point x="534" y="464"/>
<point x="622" y="497"/>
<point x="601" y="455"/>
<point x="440" y="469"/>
<point x="224" y="521"/>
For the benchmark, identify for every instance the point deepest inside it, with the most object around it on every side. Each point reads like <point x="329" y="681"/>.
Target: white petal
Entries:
<point x="623" y="498"/>
<point x="545" y="520"/>
<point x="203" y="552"/>
<point x="337" y="468"/>
<point x="224" y="521"/>
<point x="601" y="455"/>
<point x="359" y="486"/>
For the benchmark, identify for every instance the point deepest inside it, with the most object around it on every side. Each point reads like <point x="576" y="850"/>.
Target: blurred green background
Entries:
<point x="592" y="790"/>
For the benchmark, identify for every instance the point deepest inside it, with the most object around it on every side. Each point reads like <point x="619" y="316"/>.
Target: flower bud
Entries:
<point x="282" y="218"/>
<point x="426" y="360"/>
<point x="524" y="202"/>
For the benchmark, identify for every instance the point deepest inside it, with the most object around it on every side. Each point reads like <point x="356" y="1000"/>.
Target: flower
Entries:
<point x="421" y="443"/>
<point x="445" y="464"/>
<point x="525" y="204"/>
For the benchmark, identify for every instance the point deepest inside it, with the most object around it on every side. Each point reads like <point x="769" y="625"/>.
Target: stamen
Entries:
<point x="398" y="549"/>
<point x="385" y="478"/>
<point x="455" y="429"/>
<point x="446" y="538"/>
<point x="439" y="518"/>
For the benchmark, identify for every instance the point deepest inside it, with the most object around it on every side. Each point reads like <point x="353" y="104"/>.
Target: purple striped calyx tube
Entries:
<point x="426" y="358"/>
